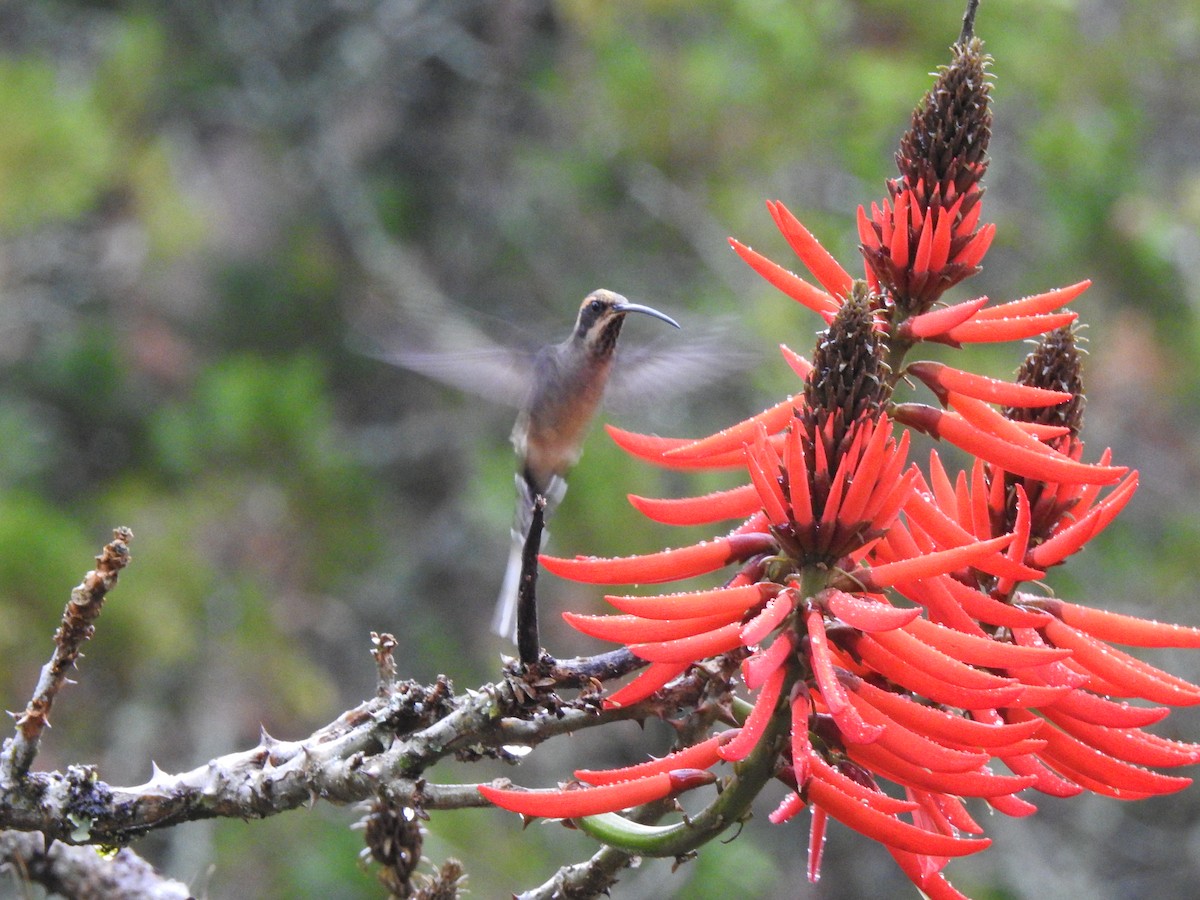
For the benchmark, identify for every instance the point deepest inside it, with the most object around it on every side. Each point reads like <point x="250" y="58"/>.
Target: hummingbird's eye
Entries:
<point x="596" y="306"/>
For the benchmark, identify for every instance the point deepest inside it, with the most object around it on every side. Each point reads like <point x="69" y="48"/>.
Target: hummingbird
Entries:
<point x="564" y="396"/>
<point x="557" y="390"/>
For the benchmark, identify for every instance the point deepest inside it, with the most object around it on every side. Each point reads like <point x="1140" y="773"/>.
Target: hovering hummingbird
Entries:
<point x="558" y="391"/>
<point x="564" y="395"/>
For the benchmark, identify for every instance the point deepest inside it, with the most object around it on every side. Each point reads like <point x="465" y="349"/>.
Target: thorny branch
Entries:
<point x="82" y="872"/>
<point x="386" y="741"/>
<point x="380" y="748"/>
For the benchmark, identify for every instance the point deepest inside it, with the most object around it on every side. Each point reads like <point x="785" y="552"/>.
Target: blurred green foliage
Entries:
<point x="183" y="273"/>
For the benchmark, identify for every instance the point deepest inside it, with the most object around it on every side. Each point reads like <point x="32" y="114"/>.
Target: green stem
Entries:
<point x="750" y="775"/>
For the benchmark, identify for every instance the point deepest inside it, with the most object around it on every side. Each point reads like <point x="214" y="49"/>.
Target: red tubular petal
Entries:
<point x="758" y="667"/>
<point x="1043" y="433"/>
<point x="697" y="756"/>
<point x="923" y="511"/>
<point x="914" y="747"/>
<point x="941" y="379"/>
<point x="788" y="282"/>
<point x="656" y="676"/>
<point x="1053" y="674"/>
<point x="866" y="231"/>
<point x="872" y="797"/>
<point x="691" y="649"/>
<point x="988" y="609"/>
<point x="1022" y="525"/>
<point x="866" y="615"/>
<point x="990" y="421"/>
<point x="924" y="247"/>
<point x="930" y="818"/>
<point x="940" y="321"/>
<point x="905" y="644"/>
<point x="772" y="616"/>
<point x="1046" y="780"/>
<point x="802" y="751"/>
<point x="770" y="491"/>
<point x="943" y="725"/>
<point x="898" y="247"/>
<point x="851" y="725"/>
<point x="821" y="660"/>
<point x="774" y="419"/>
<point x="1072" y="538"/>
<point x="940" y="487"/>
<point x="1036" y="696"/>
<point x="1043" y="465"/>
<point x="885" y="503"/>
<point x="882" y="216"/>
<point x="981" y="518"/>
<point x="756" y="723"/>
<point x="667" y="565"/>
<point x="876" y="578"/>
<point x="933" y="595"/>
<point x="736" y="503"/>
<point x="976" y="249"/>
<point x="1036" y="304"/>
<point x="969" y="219"/>
<point x="1122" y="629"/>
<point x="1095" y="785"/>
<point x="816" y="844"/>
<point x="931" y="884"/>
<point x="904" y="673"/>
<point x="798" y="363"/>
<point x="1012" y="806"/>
<point x="980" y="783"/>
<point x="1101" y="711"/>
<point x="956" y="813"/>
<point x="1119" y="778"/>
<point x="654" y="449"/>
<point x="1132" y="675"/>
<point x="940" y="251"/>
<point x="732" y="600"/>
<point x="1092" y="681"/>
<point x="885" y="828"/>
<point x="1127" y="744"/>
<point x="635" y="629"/>
<point x="788" y="807"/>
<point x="879" y="450"/>
<point x="1005" y="330"/>
<point x="823" y="266"/>
<point x="573" y="804"/>
<point x="983" y="651"/>
<point x="796" y="465"/>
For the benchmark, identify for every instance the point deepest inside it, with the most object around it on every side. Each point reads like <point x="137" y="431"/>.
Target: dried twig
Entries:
<point x="77" y="626"/>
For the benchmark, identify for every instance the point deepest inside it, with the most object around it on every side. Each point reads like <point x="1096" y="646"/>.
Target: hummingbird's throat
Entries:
<point x="604" y="338"/>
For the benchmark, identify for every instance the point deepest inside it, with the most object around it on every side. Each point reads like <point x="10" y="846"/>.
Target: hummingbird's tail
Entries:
<point x="504" y="619"/>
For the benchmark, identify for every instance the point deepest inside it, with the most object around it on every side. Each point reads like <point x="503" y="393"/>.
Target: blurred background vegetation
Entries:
<point x="208" y="207"/>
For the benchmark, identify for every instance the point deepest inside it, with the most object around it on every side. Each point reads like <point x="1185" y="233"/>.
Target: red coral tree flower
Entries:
<point x="895" y="662"/>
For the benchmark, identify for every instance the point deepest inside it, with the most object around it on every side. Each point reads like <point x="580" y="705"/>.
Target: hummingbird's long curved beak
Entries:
<point x="648" y="310"/>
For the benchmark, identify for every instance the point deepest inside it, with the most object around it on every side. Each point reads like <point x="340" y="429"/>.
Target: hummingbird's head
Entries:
<point x="600" y="318"/>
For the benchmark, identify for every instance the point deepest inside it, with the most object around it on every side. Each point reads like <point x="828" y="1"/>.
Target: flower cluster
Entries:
<point x="884" y="613"/>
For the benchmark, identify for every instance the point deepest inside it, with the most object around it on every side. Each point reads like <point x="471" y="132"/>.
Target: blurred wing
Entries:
<point x="442" y="346"/>
<point x="676" y="364"/>
<point x="494" y="373"/>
